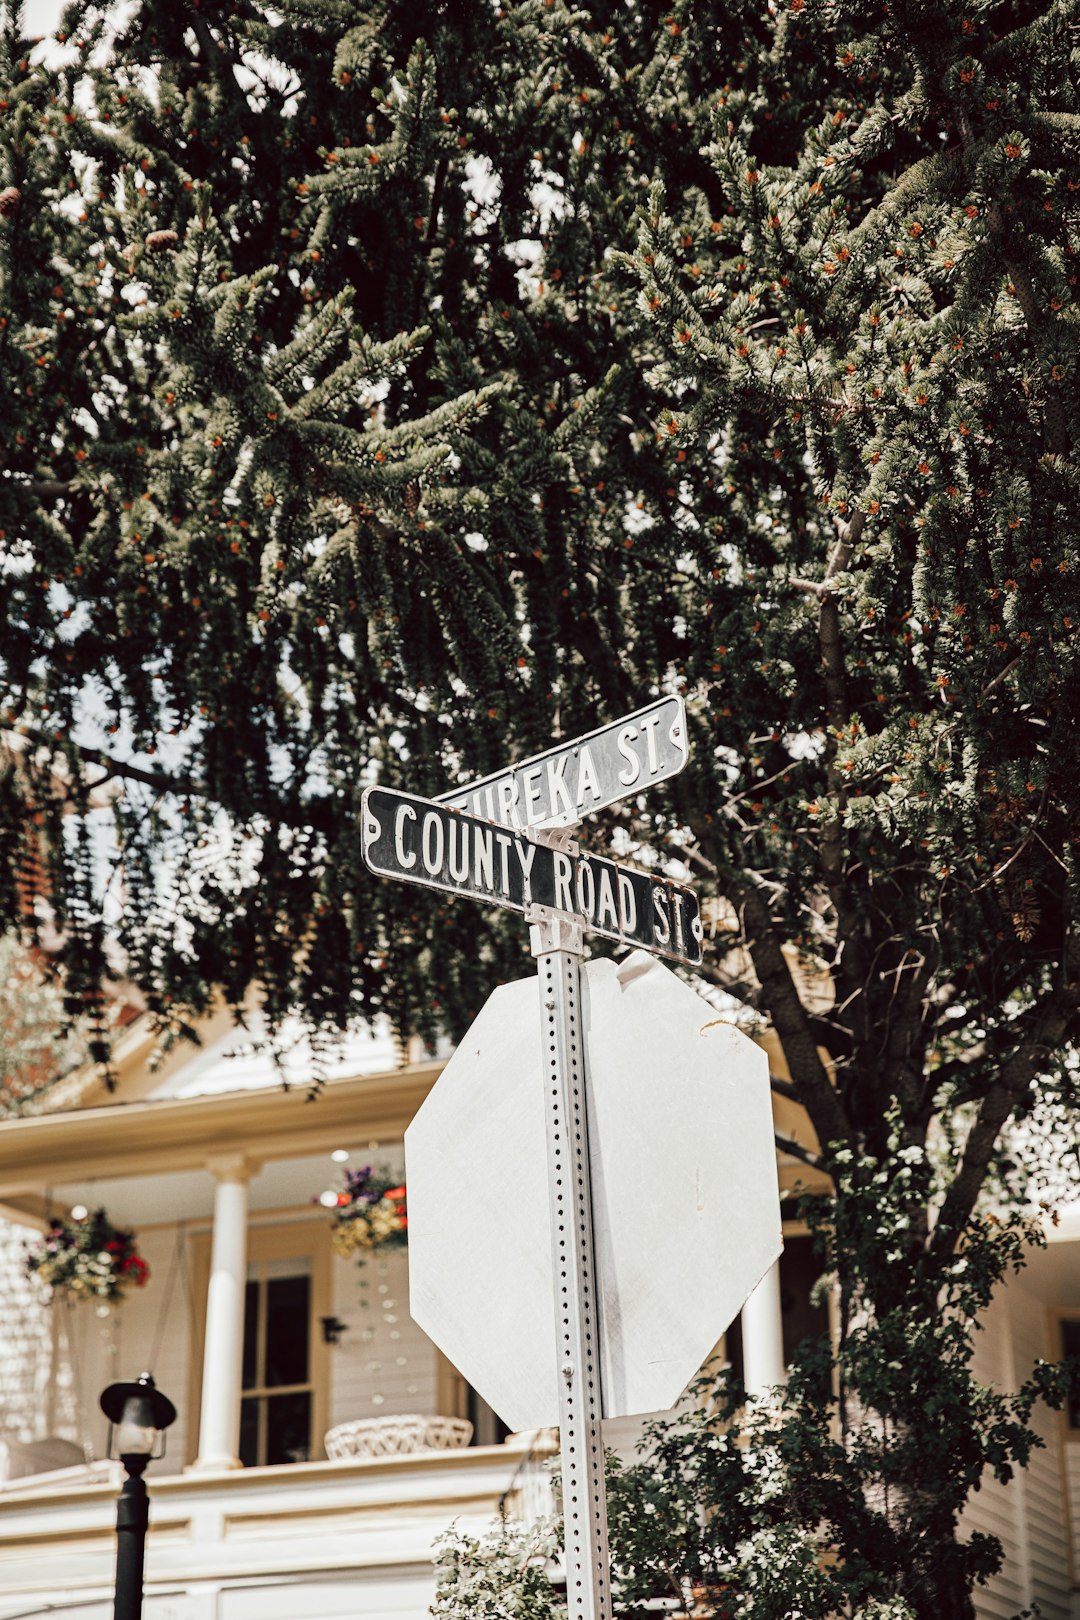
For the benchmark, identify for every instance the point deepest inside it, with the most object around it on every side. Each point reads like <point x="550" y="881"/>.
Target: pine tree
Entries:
<point x="392" y="391"/>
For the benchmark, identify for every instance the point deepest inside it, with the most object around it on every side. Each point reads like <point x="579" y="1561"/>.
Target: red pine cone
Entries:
<point x="10" y="198"/>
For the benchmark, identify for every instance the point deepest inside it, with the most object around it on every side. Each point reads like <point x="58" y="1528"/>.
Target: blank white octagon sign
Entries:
<point x="686" y="1209"/>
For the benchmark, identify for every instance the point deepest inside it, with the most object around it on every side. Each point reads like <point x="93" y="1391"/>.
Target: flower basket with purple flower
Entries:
<point x="369" y="1213"/>
<point x="87" y="1258"/>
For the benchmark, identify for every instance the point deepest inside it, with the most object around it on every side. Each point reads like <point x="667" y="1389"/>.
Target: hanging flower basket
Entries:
<point x="369" y="1213"/>
<point x="88" y="1258"/>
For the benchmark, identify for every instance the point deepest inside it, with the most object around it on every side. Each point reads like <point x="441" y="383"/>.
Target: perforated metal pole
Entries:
<point x="557" y="944"/>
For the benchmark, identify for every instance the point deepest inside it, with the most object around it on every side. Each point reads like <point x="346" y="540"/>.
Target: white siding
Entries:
<point x="26" y="1366"/>
<point x="1072" y="1480"/>
<point x="1029" y="1514"/>
<point x="97" y="1345"/>
<point x="155" y="1330"/>
<point x="383" y="1363"/>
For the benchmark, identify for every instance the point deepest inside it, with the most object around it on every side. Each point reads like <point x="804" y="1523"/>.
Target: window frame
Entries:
<point x="305" y="1240"/>
<point x="1062" y="1315"/>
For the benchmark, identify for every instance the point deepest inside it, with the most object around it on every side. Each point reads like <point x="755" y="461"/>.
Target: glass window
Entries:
<point x="276" y="1405"/>
<point x="1070" y="1346"/>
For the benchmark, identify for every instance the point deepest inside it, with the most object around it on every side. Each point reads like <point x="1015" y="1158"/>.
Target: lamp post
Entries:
<point x="138" y="1415"/>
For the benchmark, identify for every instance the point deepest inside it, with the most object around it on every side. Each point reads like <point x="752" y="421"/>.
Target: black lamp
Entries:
<point x="138" y="1415"/>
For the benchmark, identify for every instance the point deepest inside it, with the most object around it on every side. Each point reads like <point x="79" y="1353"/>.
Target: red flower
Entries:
<point x="394" y="1192"/>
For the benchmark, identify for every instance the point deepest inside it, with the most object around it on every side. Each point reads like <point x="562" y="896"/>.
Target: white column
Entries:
<point x="219" y="1427"/>
<point x="763" y="1335"/>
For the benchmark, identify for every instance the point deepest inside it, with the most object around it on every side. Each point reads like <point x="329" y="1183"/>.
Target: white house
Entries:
<point x="268" y="1343"/>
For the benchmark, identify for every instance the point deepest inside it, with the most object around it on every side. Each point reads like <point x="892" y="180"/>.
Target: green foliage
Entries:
<point x="504" y="1575"/>
<point x="786" y="1506"/>
<point x="392" y="391"/>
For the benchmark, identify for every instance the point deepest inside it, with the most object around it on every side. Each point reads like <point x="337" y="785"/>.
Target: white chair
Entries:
<point x="21" y="1458"/>
<point x="392" y="1436"/>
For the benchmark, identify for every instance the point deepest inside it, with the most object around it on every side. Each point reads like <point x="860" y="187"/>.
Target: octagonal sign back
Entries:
<point x="686" y="1211"/>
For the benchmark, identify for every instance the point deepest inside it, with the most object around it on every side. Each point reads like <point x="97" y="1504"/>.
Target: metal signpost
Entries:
<point x="478" y="841"/>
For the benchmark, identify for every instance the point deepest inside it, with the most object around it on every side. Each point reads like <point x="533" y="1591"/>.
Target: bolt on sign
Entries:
<point x="502" y="840"/>
<point x="420" y="841"/>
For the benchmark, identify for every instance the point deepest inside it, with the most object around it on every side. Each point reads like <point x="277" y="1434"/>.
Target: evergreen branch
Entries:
<point x="904" y="1023"/>
<point x="1057" y="436"/>
<point x="1056" y="1018"/>
<point x="790" y="1019"/>
<point x="438" y="185"/>
<point x="783" y="1088"/>
<point x="175" y="786"/>
<point x="309" y="814"/>
<point x="788" y="1144"/>
<point x="1032" y="39"/>
<point x="49" y="489"/>
<point x="328" y="327"/>
<point x="1001" y="675"/>
<point x="832" y="664"/>
<point x="220" y="59"/>
<point x="1062" y="128"/>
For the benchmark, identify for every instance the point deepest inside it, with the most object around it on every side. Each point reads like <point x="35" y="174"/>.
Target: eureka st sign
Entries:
<point x="570" y="780"/>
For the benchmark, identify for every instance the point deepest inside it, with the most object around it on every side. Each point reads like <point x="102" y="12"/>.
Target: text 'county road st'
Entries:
<point x="422" y="842"/>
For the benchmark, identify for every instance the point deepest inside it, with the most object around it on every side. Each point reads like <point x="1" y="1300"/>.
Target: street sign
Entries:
<point x="685" y="1201"/>
<point x="421" y="841"/>
<point x="491" y="855"/>
<point x="572" y="779"/>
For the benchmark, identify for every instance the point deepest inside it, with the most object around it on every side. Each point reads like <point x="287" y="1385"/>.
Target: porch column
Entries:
<point x="763" y="1335"/>
<point x="219" y="1426"/>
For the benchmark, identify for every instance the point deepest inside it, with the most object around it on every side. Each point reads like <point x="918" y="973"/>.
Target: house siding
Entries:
<point x="1029" y="1515"/>
<point x="383" y="1363"/>
<point x="1072" y="1479"/>
<point x="27" y="1370"/>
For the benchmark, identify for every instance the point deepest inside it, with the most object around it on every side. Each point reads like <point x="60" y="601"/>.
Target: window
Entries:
<point x="488" y="1427"/>
<point x="284" y="1379"/>
<point x="276" y="1403"/>
<point x="1070" y="1346"/>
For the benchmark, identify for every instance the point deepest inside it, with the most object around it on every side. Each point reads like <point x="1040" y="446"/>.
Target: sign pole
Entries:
<point x="558" y="945"/>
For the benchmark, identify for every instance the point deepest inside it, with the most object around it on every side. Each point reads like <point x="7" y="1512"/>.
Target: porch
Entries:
<point x="314" y="1540"/>
<point x="264" y="1338"/>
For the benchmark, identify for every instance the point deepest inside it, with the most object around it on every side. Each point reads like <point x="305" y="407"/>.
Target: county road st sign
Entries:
<point x="420" y="841"/>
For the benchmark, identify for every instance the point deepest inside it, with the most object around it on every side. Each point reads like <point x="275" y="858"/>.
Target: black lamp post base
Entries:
<point x="132" y="1517"/>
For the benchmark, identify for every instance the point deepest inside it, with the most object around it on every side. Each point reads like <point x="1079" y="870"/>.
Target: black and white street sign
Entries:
<point x="420" y="841"/>
<point x="567" y="782"/>
<point x="477" y="841"/>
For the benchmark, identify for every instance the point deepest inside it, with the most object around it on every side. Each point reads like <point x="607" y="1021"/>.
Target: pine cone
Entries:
<point x="411" y="497"/>
<point x="161" y="239"/>
<point x="10" y="198"/>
